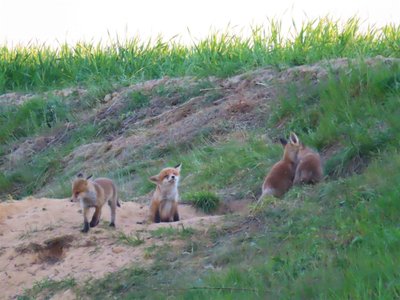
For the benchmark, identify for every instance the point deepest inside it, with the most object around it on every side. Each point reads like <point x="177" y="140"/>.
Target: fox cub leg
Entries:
<point x="155" y="211"/>
<point x="96" y="217"/>
<point x="176" y="214"/>
<point x="113" y="206"/>
<point x="85" y="219"/>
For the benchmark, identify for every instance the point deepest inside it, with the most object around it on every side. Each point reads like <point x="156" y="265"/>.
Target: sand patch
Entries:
<point x="41" y="238"/>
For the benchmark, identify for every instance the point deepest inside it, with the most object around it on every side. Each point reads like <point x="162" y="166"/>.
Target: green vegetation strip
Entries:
<point x="222" y="54"/>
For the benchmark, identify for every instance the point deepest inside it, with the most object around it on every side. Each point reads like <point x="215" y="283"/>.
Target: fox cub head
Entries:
<point x="79" y="187"/>
<point x="168" y="177"/>
<point x="291" y="147"/>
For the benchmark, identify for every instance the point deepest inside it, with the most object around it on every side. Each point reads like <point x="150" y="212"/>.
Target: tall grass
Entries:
<point x="40" y="67"/>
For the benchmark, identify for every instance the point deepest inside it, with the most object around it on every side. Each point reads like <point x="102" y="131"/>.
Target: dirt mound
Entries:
<point x="41" y="238"/>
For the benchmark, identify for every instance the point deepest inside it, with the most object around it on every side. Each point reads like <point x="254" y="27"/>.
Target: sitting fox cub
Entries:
<point x="164" y="204"/>
<point x="309" y="167"/>
<point x="94" y="193"/>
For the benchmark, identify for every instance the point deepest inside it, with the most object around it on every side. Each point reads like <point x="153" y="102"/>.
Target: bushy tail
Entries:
<point x="267" y="191"/>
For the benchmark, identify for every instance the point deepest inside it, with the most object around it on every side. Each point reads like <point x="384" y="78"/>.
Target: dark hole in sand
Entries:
<point x="50" y="251"/>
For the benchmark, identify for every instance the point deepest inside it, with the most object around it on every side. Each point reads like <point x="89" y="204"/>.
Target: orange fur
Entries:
<point x="280" y="177"/>
<point x="95" y="193"/>
<point x="309" y="167"/>
<point x="164" y="204"/>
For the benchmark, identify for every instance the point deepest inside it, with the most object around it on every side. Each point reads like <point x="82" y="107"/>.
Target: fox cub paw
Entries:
<point x="94" y="223"/>
<point x="85" y="227"/>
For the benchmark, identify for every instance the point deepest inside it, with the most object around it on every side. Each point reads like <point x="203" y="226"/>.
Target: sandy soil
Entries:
<point x="41" y="238"/>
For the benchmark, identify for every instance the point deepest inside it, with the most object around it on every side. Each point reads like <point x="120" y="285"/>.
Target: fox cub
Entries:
<point x="309" y="166"/>
<point x="94" y="193"/>
<point x="280" y="177"/>
<point x="164" y="204"/>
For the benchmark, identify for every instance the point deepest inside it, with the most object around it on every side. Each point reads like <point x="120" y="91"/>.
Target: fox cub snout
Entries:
<point x="309" y="166"/>
<point x="94" y="193"/>
<point x="280" y="177"/>
<point x="164" y="204"/>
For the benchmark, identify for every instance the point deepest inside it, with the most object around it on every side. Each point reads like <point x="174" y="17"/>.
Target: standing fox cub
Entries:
<point x="164" y="204"/>
<point x="95" y="193"/>
<point x="280" y="178"/>
<point x="309" y="167"/>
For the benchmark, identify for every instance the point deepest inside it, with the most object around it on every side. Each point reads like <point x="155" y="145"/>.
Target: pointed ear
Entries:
<point x="178" y="167"/>
<point x="294" y="139"/>
<point x="90" y="176"/>
<point x="283" y="141"/>
<point x="154" y="178"/>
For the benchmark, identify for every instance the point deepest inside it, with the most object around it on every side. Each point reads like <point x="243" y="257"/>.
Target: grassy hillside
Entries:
<point x="338" y="239"/>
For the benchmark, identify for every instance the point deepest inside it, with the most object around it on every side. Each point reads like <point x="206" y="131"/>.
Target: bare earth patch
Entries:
<point x="41" y="238"/>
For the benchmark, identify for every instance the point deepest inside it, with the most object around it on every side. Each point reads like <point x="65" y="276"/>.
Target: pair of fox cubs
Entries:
<point x="95" y="193"/>
<point x="299" y="165"/>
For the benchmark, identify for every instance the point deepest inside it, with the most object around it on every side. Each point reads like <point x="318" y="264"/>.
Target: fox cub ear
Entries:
<point x="294" y="139"/>
<point x="154" y="178"/>
<point x="178" y="167"/>
<point x="80" y="175"/>
<point x="283" y="141"/>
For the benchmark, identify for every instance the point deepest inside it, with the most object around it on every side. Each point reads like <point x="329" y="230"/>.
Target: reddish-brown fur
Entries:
<point x="309" y="167"/>
<point x="280" y="177"/>
<point x="164" y="204"/>
<point x="95" y="193"/>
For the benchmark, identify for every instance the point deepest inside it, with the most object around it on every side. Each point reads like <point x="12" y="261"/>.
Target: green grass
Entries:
<point x="48" y="286"/>
<point x="40" y="67"/>
<point x="204" y="200"/>
<point x="131" y="239"/>
<point x="32" y="117"/>
<point x="138" y="100"/>
<point x="171" y="232"/>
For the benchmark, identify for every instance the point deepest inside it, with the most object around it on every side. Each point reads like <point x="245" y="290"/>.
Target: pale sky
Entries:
<point x="49" y="21"/>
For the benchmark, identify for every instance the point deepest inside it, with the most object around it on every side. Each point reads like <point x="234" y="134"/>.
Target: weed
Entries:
<point x="173" y="232"/>
<point x="50" y="287"/>
<point x="138" y="100"/>
<point x="149" y="252"/>
<point x="130" y="239"/>
<point x="206" y="201"/>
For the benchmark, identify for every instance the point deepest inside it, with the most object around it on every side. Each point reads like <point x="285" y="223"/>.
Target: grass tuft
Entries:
<point x="172" y="232"/>
<point x="133" y="240"/>
<point x="204" y="200"/>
